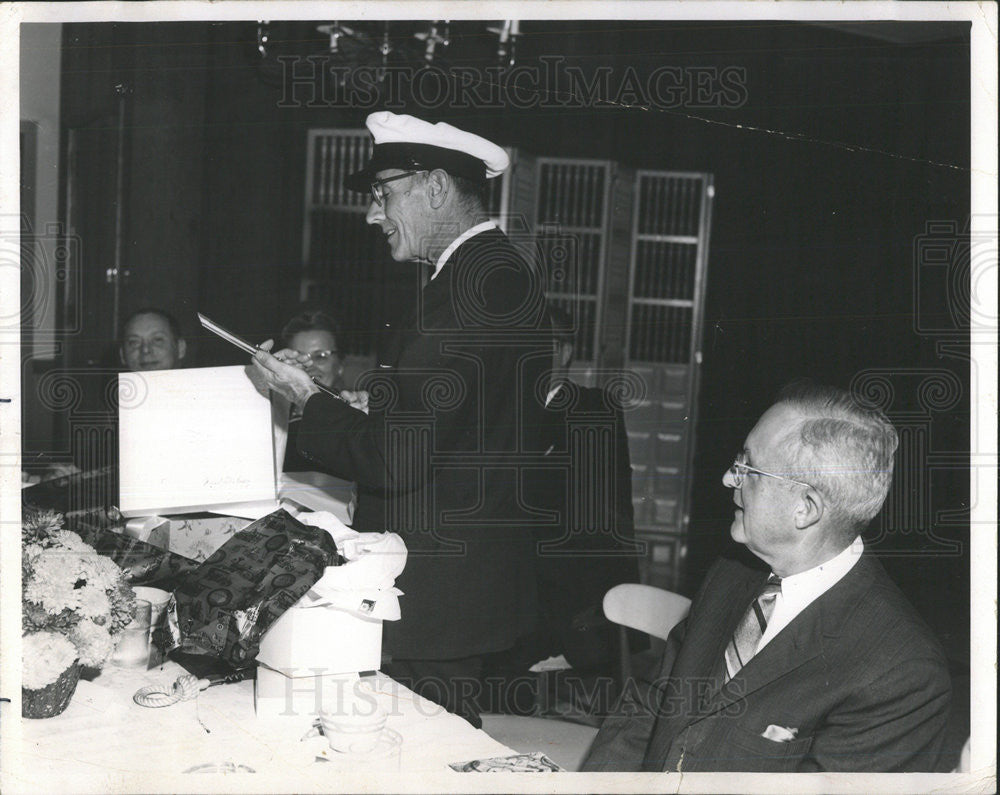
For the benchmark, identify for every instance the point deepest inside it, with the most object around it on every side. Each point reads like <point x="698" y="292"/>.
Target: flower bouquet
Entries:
<point x="75" y="604"/>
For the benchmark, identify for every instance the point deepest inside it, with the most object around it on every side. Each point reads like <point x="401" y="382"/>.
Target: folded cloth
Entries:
<point x="325" y="520"/>
<point x="364" y="584"/>
<point x="382" y="605"/>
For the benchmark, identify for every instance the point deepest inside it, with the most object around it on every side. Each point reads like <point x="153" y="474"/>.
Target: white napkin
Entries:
<point x="364" y="585"/>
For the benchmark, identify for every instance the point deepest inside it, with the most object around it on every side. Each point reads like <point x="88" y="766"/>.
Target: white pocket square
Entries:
<point x="779" y="734"/>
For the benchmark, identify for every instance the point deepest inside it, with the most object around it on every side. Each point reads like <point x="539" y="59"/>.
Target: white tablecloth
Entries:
<point x="106" y="742"/>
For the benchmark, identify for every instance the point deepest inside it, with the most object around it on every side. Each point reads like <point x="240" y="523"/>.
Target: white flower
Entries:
<point x="44" y="656"/>
<point x="93" y="643"/>
<point x="70" y="540"/>
<point x="69" y="588"/>
<point x="53" y="580"/>
<point x="31" y="551"/>
<point x="98" y="571"/>
<point x="94" y="602"/>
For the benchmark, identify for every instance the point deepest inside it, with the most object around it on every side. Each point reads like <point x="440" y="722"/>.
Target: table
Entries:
<point x="106" y="742"/>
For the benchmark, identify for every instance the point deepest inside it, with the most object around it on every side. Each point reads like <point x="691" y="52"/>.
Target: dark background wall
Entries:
<point x="848" y="146"/>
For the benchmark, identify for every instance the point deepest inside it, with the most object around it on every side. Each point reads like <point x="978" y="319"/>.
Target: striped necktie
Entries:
<point x="743" y="644"/>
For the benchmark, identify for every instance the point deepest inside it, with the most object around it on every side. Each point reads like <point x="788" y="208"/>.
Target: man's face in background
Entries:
<point x="148" y="343"/>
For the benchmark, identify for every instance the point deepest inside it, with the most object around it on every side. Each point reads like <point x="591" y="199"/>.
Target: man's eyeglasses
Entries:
<point x="740" y="468"/>
<point x="136" y="343"/>
<point x="378" y="195"/>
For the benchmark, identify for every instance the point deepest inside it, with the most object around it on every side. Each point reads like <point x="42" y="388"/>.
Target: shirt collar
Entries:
<point x="804" y="587"/>
<point x="471" y="232"/>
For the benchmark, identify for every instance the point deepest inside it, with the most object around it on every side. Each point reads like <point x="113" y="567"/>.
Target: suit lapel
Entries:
<point x="794" y="646"/>
<point x="799" y="642"/>
<point x="712" y="653"/>
<point x="700" y="657"/>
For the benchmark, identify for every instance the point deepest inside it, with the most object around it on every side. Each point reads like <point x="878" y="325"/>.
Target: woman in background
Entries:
<point x="316" y="334"/>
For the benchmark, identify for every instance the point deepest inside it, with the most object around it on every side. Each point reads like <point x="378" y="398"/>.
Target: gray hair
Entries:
<point x="472" y="196"/>
<point x="843" y="448"/>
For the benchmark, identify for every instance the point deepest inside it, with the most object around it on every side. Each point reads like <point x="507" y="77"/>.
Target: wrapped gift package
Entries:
<point x="198" y="536"/>
<point x="335" y="630"/>
<point x="153" y="530"/>
<point x="142" y="563"/>
<point x="225" y="605"/>
<point x="195" y="536"/>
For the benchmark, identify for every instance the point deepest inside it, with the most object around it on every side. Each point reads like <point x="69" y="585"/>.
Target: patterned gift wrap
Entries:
<point x="52" y="699"/>
<point x="141" y="563"/>
<point x="226" y="603"/>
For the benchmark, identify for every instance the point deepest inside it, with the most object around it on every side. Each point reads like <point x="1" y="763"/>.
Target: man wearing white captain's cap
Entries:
<point x="456" y="404"/>
<point x="442" y="169"/>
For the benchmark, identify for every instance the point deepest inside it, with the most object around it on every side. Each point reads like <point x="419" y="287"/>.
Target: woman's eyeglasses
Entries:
<point x="319" y="356"/>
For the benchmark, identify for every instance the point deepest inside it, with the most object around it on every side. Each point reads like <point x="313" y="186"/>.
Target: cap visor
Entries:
<point x="360" y="181"/>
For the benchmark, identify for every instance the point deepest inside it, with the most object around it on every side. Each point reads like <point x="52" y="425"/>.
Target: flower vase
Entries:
<point x="51" y="700"/>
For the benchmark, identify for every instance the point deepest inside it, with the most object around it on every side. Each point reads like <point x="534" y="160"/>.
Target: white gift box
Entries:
<point x="318" y="641"/>
<point x="279" y="695"/>
<point x="309" y="648"/>
<point x="335" y="629"/>
<point x="197" y="439"/>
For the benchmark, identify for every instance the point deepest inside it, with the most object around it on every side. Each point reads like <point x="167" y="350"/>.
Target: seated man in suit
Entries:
<point x="151" y="340"/>
<point x="821" y="665"/>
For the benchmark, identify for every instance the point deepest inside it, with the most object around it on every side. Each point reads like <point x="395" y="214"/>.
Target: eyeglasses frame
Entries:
<point x="740" y="476"/>
<point x="376" y="187"/>
<point x="320" y="356"/>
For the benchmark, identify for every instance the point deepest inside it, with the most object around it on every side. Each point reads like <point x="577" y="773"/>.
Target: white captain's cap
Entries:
<point x="412" y="144"/>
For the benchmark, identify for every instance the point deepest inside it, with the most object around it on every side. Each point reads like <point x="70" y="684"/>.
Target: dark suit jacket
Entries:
<point x="454" y="416"/>
<point x="858" y="674"/>
<point x="589" y="546"/>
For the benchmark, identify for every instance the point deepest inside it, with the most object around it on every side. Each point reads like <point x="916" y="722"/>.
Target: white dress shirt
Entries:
<point x="471" y="232"/>
<point x="800" y="590"/>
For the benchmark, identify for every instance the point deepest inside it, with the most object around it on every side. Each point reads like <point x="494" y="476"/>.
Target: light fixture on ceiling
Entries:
<point x="507" y="35"/>
<point x="436" y="34"/>
<point x="336" y="32"/>
<point x="263" y="37"/>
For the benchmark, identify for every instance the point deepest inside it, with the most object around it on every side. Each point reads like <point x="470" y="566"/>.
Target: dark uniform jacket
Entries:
<point x="589" y="545"/>
<point x="856" y="682"/>
<point x="454" y="415"/>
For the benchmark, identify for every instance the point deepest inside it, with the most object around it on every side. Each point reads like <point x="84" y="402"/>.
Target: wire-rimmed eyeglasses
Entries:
<point x="378" y="195"/>
<point x="740" y="468"/>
